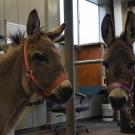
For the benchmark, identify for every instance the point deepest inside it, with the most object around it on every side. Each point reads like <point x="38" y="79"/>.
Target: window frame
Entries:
<point x="77" y="42"/>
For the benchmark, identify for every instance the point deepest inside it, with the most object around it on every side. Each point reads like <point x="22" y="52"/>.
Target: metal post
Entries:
<point x="69" y="58"/>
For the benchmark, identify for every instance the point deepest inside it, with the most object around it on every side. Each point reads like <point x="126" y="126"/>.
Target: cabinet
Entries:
<point x="90" y="76"/>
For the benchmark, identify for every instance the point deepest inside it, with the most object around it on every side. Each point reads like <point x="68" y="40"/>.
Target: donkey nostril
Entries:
<point x="117" y="102"/>
<point x="66" y="92"/>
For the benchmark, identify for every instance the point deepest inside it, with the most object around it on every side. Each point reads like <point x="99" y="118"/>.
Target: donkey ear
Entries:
<point x="107" y="29"/>
<point x="33" y="23"/>
<point x="130" y="27"/>
<point x="55" y="34"/>
<point x="60" y="39"/>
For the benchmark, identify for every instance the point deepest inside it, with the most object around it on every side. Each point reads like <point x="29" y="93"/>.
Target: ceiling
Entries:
<point x="131" y="2"/>
<point x="99" y="2"/>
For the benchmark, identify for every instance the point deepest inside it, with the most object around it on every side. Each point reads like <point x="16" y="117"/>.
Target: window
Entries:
<point x="13" y="28"/>
<point x="85" y="21"/>
<point x="89" y="23"/>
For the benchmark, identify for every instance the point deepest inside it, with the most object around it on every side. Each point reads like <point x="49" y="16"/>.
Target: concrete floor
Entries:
<point x="96" y="127"/>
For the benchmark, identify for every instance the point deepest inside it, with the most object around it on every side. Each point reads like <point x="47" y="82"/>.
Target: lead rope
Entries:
<point x="132" y="91"/>
<point x="131" y="97"/>
<point x="131" y="104"/>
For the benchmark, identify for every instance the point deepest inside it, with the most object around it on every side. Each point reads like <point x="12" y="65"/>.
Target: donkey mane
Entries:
<point x="8" y="59"/>
<point x="17" y="37"/>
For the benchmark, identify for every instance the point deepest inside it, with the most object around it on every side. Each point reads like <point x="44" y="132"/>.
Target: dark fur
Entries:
<point x="118" y="55"/>
<point x="118" y="58"/>
<point x="17" y="37"/>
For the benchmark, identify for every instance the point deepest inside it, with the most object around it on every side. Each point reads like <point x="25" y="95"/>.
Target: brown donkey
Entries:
<point x="32" y="67"/>
<point x="119" y="62"/>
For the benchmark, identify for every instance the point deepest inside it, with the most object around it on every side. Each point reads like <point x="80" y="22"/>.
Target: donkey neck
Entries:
<point x="11" y="68"/>
<point x="8" y="60"/>
<point x="12" y="96"/>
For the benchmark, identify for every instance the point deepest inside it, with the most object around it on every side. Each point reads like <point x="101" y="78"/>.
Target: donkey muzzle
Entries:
<point x="118" y="98"/>
<point x="118" y="103"/>
<point x="62" y="93"/>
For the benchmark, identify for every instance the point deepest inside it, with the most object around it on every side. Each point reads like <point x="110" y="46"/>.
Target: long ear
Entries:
<point x="54" y="34"/>
<point x="60" y="39"/>
<point x="107" y="29"/>
<point x="33" y="23"/>
<point x="130" y="27"/>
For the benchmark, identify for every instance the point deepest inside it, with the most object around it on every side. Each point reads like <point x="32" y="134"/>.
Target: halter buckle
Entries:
<point x="29" y="73"/>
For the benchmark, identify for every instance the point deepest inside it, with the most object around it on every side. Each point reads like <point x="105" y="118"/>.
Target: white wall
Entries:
<point x="53" y="14"/>
<point x="1" y="16"/>
<point x="120" y="12"/>
<point x="102" y="13"/>
<point x="117" y="14"/>
<point x="16" y="11"/>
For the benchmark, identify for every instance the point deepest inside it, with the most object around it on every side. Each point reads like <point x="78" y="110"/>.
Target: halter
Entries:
<point x="129" y="88"/>
<point x="29" y="74"/>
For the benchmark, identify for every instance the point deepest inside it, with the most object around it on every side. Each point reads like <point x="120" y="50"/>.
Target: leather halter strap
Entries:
<point x="120" y="85"/>
<point x="29" y="74"/>
<point x="129" y="88"/>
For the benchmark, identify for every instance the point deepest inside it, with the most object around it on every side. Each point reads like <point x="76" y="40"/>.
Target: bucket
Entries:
<point x="107" y="112"/>
<point x="12" y="132"/>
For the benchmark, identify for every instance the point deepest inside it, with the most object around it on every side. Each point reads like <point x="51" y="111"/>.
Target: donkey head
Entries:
<point x="119" y="60"/>
<point x="44" y="72"/>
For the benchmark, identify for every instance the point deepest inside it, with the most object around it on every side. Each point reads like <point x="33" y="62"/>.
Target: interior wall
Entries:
<point x="53" y="14"/>
<point x="117" y="14"/>
<point x="120" y="14"/>
<point x="16" y="11"/>
<point x="1" y="15"/>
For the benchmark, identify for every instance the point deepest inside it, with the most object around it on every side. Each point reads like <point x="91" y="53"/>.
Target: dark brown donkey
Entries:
<point x="32" y="67"/>
<point x="119" y="62"/>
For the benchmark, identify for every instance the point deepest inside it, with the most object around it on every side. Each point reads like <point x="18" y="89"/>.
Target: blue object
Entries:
<point x="91" y="90"/>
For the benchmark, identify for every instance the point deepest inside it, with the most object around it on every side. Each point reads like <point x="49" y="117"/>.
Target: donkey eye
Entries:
<point x="40" y="57"/>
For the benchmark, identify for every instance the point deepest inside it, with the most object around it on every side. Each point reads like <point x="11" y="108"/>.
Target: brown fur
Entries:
<point x="15" y="88"/>
<point x="13" y="97"/>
